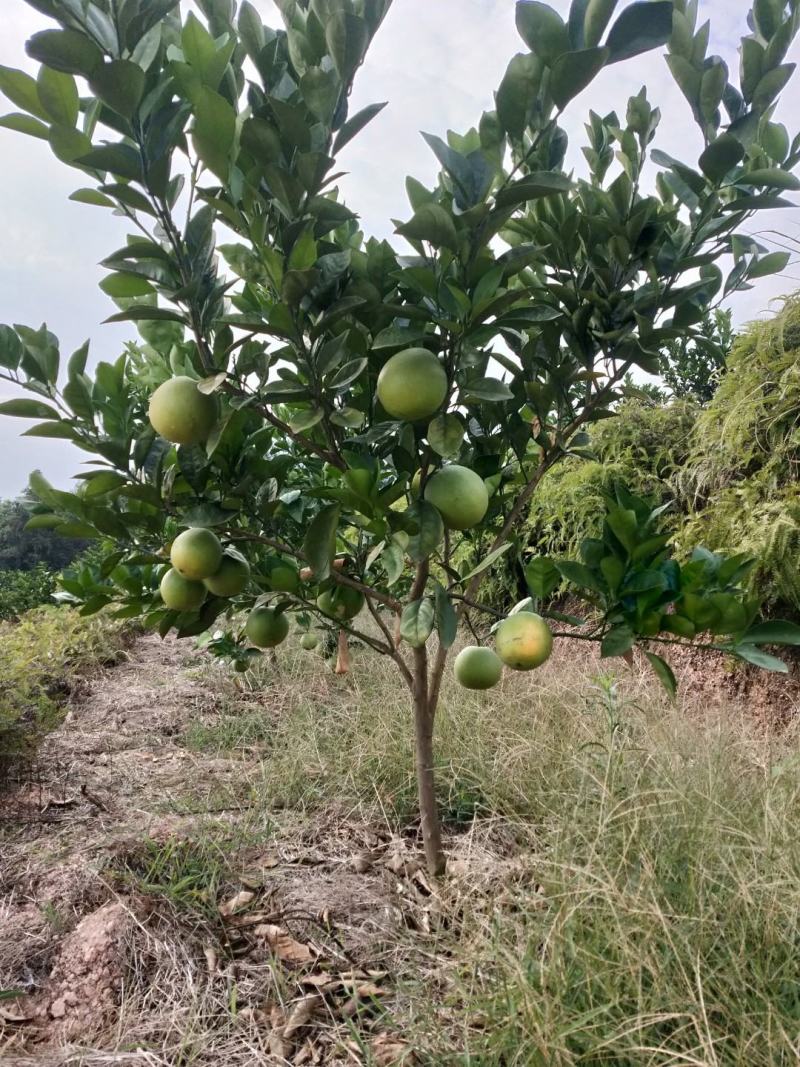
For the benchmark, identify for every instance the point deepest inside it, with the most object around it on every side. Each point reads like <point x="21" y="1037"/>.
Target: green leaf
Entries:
<point x="25" y="124"/>
<point x="596" y="20"/>
<point x="10" y="348"/>
<point x="77" y="395"/>
<point x="641" y="27"/>
<point x="429" y="530"/>
<point x="59" y="96"/>
<point x="488" y="561"/>
<point x="346" y="375"/>
<point x="393" y="561"/>
<point x="446" y="620"/>
<point x="533" y="187"/>
<point x="542" y="29"/>
<point x="21" y="89"/>
<point x="773" y="177"/>
<point x="355" y="125"/>
<point x="65" y="50"/>
<point x="68" y="144"/>
<point x="574" y="71"/>
<point x="120" y="85"/>
<point x="347" y="37"/>
<point x="91" y="196"/>
<point x="542" y="577"/>
<point x="28" y="409"/>
<point x="446" y="435"/>
<point x="142" y="313"/>
<point x="490" y="390"/>
<point x="306" y="419"/>
<point x="433" y="224"/>
<point x="773" y="263"/>
<point x="775" y="632"/>
<point x="663" y="672"/>
<point x="120" y="159"/>
<point x="319" y="544"/>
<point x="771" y="86"/>
<point x="721" y="157"/>
<point x="517" y="94"/>
<point x="751" y="654"/>
<point x="617" y="642"/>
<point x="578" y="574"/>
<point x="123" y="286"/>
<point x="214" y="131"/>
<point x="416" y="622"/>
<point x="624" y="526"/>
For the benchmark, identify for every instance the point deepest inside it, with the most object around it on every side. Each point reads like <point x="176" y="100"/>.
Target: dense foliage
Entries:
<point x="332" y="396"/>
<point x="22" y="590"/>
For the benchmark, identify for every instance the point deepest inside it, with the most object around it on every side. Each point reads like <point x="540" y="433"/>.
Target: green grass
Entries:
<point x="41" y="657"/>
<point x="665" y="841"/>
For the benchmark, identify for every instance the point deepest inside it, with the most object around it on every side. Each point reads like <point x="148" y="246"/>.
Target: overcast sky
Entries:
<point x="437" y="62"/>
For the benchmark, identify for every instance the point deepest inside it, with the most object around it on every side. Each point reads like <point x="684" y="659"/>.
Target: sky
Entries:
<point x="437" y="63"/>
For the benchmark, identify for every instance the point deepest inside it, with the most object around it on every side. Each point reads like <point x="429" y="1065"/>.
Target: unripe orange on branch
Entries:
<point x="180" y="413"/>
<point x="523" y="641"/>
<point x="412" y="385"/>
<point x="196" y="553"/>
<point x="459" y="495"/>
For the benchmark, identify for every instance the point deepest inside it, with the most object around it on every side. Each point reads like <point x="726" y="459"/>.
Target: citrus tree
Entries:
<point x="323" y="426"/>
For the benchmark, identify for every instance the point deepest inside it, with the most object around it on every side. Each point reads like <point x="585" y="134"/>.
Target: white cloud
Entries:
<point x="437" y="62"/>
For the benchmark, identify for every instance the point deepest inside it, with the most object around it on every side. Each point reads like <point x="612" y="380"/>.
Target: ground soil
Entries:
<point x="293" y="956"/>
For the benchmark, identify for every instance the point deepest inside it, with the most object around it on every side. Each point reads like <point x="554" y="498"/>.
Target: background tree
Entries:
<point x="22" y="549"/>
<point x="693" y="366"/>
<point x="360" y="412"/>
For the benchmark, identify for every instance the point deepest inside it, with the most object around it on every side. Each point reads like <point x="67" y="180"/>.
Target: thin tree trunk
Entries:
<point x="424" y="715"/>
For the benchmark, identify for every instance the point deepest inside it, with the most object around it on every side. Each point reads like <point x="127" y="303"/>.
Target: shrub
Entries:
<point x="22" y="590"/>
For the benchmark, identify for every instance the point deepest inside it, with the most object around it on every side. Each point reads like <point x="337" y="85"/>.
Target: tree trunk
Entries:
<point x="424" y="715"/>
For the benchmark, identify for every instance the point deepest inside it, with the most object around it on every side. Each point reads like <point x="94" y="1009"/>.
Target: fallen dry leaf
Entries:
<point x="210" y="954"/>
<point x="13" y="1015"/>
<point x="283" y="946"/>
<point x="237" y="902"/>
<point x="388" y="1051"/>
<point x="301" y="1014"/>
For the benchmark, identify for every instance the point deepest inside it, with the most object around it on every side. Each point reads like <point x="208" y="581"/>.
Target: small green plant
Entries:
<point x="188" y="875"/>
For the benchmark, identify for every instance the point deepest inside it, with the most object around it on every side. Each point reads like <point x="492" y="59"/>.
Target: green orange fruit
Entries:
<point x="181" y="594"/>
<point x="459" y="495"/>
<point x="230" y="579"/>
<point x="477" y="668"/>
<point x="266" y="628"/>
<point x="309" y="642"/>
<point x="341" y="603"/>
<point x="284" y="578"/>
<point x="412" y="385"/>
<point x="196" y="553"/>
<point x="180" y="413"/>
<point x="523" y="641"/>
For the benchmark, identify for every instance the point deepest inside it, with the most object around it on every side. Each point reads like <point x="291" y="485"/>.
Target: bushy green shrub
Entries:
<point x="22" y="590"/>
<point x="40" y="658"/>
